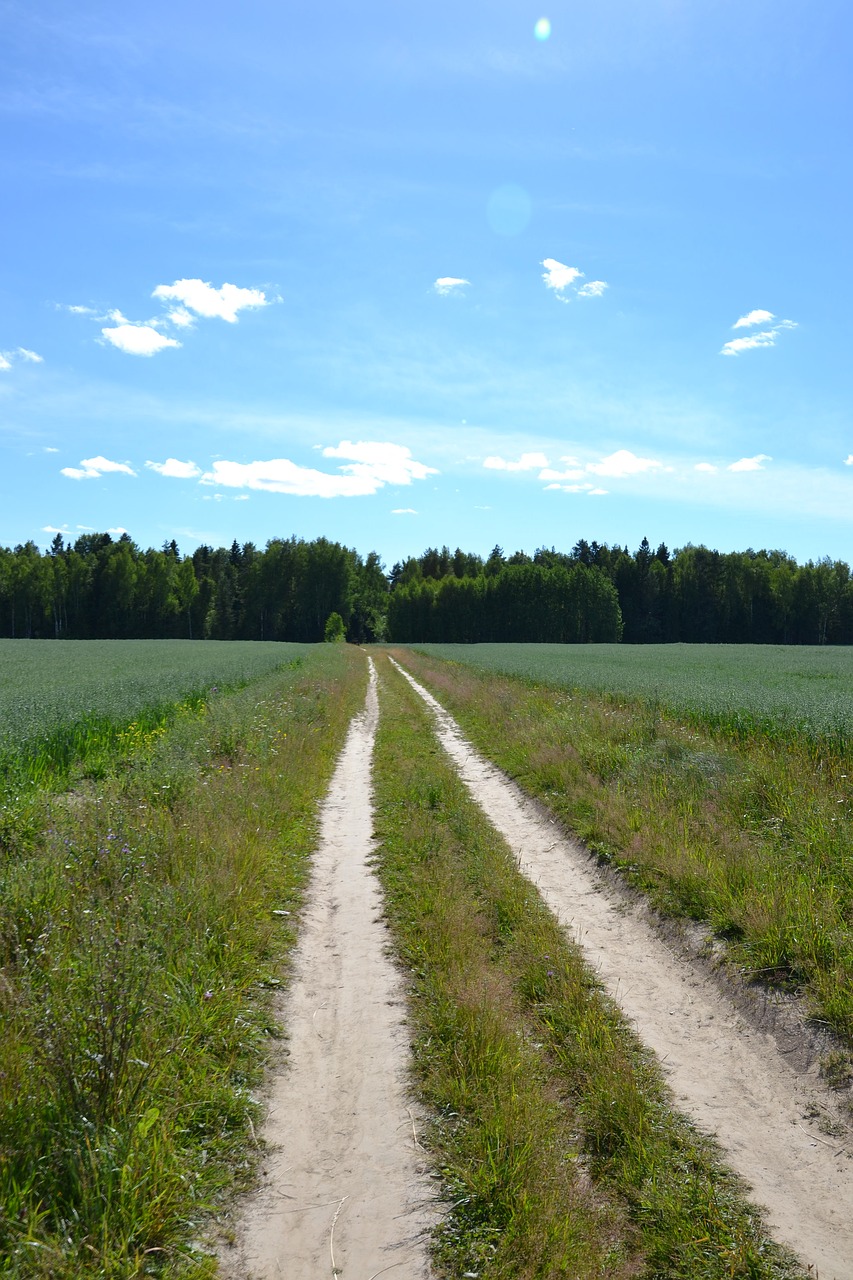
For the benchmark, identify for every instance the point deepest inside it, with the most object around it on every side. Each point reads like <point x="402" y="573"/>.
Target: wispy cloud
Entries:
<point x="750" y="464"/>
<point x="138" y="339"/>
<point x="527" y="462"/>
<point x="449" y="284"/>
<point x="707" y="467"/>
<point x="369" y="467"/>
<point x="8" y="358"/>
<point x="753" y="317"/>
<point x="404" y="511"/>
<point x="766" y="338"/>
<point x="594" y="289"/>
<point x="848" y="461"/>
<point x="174" y="468"/>
<point x="93" y="468"/>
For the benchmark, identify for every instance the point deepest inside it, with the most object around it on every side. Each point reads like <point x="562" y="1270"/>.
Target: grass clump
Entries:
<point x="557" y="1147"/>
<point x="750" y="835"/>
<point x="138" y="937"/>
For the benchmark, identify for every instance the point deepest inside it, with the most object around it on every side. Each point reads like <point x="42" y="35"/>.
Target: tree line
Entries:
<point x="98" y="588"/>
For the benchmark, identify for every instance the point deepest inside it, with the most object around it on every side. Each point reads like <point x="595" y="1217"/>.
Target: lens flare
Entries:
<point x="542" y="30"/>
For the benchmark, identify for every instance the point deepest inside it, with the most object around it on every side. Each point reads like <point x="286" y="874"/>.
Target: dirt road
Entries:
<point x="729" y="1077"/>
<point x="343" y="1191"/>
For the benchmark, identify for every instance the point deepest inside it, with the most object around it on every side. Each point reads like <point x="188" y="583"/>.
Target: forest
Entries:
<point x="100" y="588"/>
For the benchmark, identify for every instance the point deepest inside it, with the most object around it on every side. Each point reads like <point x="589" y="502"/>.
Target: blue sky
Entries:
<point x="407" y="275"/>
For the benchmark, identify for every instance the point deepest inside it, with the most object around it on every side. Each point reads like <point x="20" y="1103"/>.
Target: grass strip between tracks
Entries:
<point x="553" y="1134"/>
<point x="141" y="938"/>
<point x="752" y="837"/>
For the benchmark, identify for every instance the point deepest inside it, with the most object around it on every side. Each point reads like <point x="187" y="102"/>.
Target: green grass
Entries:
<point x="559" y="1151"/>
<point x="747" y="688"/>
<point x="142" y="933"/>
<point x="751" y="835"/>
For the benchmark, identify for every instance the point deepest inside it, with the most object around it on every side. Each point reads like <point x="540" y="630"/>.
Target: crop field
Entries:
<point x="65" y="700"/>
<point x="736" y="687"/>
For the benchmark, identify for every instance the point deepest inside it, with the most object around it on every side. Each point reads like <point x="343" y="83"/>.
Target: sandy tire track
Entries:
<point x="727" y="1075"/>
<point x="344" y="1192"/>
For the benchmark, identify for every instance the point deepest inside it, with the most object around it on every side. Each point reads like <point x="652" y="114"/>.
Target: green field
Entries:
<point x="66" y="701"/>
<point x="768" y="686"/>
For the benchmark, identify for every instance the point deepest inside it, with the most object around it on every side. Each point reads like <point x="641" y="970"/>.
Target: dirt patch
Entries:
<point x="344" y="1190"/>
<point x="725" y="1072"/>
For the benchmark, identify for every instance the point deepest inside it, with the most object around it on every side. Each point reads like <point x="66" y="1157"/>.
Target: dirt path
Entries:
<point x="343" y="1190"/>
<point x="724" y="1073"/>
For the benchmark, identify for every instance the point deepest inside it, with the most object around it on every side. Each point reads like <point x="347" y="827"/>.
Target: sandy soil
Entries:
<point x="344" y="1191"/>
<point x="725" y="1073"/>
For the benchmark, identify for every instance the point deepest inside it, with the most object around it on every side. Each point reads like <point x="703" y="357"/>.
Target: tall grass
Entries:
<point x="141" y="937"/>
<point x="559" y="1152"/>
<point x="751" y="836"/>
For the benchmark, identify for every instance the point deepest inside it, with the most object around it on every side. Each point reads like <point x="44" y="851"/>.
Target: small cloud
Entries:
<point x="51" y="528"/>
<point x="767" y="337"/>
<point x="182" y="318"/>
<point x="49" y="448"/>
<point x="117" y="531"/>
<point x="201" y="297"/>
<point x="92" y="468"/>
<point x="8" y="358"/>
<point x="753" y="317"/>
<point x="595" y="493"/>
<point x="77" y="311"/>
<point x="594" y="289"/>
<point x="242" y="497"/>
<point x="449" y="284"/>
<point x="750" y="464"/>
<point x="848" y="461"/>
<point x="705" y="466"/>
<point x="558" y="276"/>
<point x="370" y="466"/>
<point x="622" y="463"/>
<point x="572" y="473"/>
<point x="570" y="488"/>
<point x="404" y="511"/>
<point x="175" y="469"/>
<point x="138" y="339"/>
<point x="527" y="462"/>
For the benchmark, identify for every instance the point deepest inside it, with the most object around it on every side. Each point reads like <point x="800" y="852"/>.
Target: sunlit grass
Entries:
<point x="558" y="1149"/>
<point x="751" y="835"/>
<point x="142" y="932"/>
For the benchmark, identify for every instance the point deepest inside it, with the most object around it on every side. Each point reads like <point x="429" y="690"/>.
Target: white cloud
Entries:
<point x="558" y="276"/>
<point x="371" y="465"/>
<point x="117" y="531"/>
<point x="848" y="461"/>
<point x="138" y="339"/>
<point x="750" y="464"/>
<point x="623" y="463"/>
<point x="51" y="528"/>
<point x="380" y="461"/>
<point x="705" y="466"/>
<point x="181" y="318"/>
<point x="767" y="337"/>
<point x="595" y="289"/>
<point x="449" y="284"/>
<point x="205" y="300"/>
<point x="7" y="358"/>
<point x="92" y="468"/>
<point x="404" y="511"/>
<point x="49" y="448"/>
<point x="753" y="317"/>
<point x="595" y="493"/>
<point x="175" y="469"/>
<point x="80" y="311"/>
<point x="527" y="462"/>
<point x="570" y="488"/>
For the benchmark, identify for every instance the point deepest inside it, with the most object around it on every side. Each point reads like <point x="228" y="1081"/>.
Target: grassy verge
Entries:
<point x="750" y="836"/>
<point x="140" y="938"/>
<point x="559" y="1152"/>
